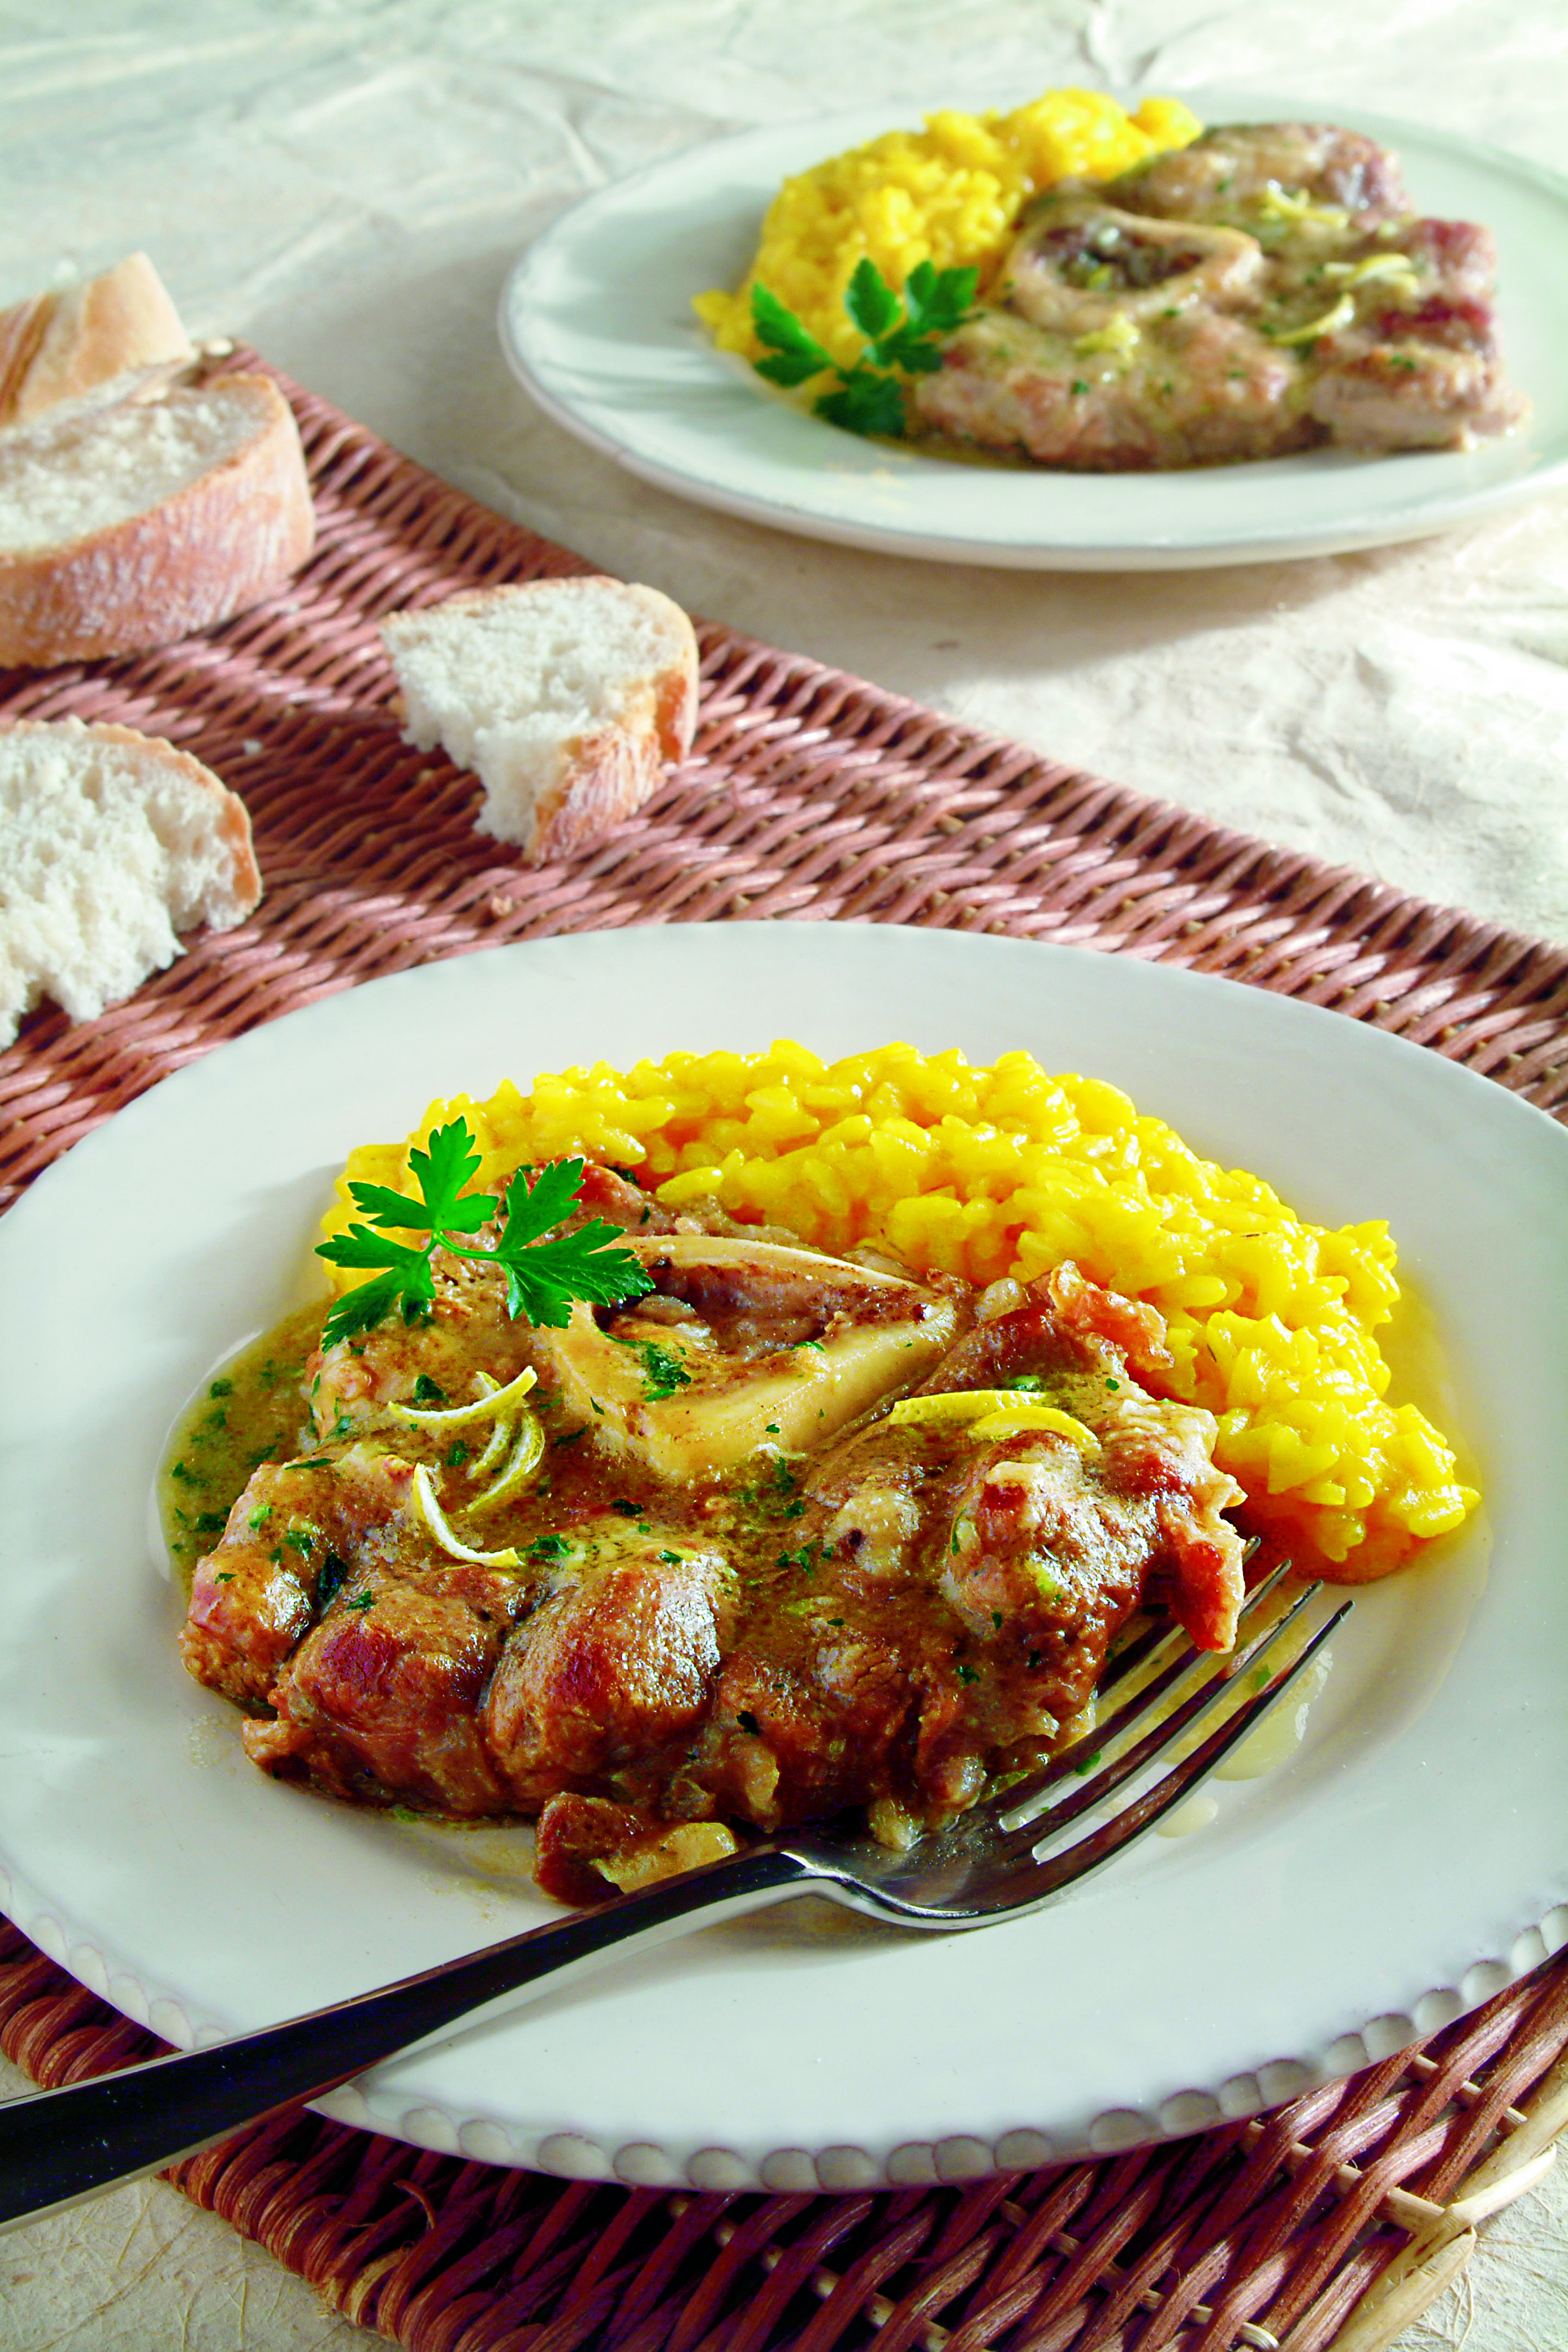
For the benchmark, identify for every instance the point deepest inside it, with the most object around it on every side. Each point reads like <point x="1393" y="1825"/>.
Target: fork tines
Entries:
<point x="1076" y="1782"/>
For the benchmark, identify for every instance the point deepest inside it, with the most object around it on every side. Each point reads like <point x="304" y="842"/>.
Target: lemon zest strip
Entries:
<point x="992" y="1412"/>
<point x="1119" y="336"/>
<point x="500" y="1437"/>
<point x="524" y="1456"/>
<point x="440" y="1526"/>
<point x="1330" y="323"/>
<point x="483" y="1408"/>
<point x="1393" y="267"/>
<point x="1294" y="204"/>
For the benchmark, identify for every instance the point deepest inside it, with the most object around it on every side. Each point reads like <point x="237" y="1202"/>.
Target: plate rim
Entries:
<point x="1415" y="519"/>
<point x="571" y="2153"/>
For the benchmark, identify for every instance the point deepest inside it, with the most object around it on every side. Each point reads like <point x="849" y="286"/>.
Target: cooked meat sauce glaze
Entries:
<point x="742" y="1589"/>
<point x="1267" y="287"/>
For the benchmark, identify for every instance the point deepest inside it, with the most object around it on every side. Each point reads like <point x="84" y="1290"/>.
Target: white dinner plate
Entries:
<point x="1410" y="1858"/>
<point x="596" y="320"/>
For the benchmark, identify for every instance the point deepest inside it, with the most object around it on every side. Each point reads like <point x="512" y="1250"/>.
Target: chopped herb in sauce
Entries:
<point x="662" y="1373"/>
<point x="333" y="1577"/>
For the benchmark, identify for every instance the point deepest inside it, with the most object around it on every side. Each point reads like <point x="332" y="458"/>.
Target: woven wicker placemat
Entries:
<point x="809" y="796"/>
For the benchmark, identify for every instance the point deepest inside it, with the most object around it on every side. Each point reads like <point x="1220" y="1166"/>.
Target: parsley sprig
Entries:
<point x="901" y="341"/>
<point x="545" y="1271"/>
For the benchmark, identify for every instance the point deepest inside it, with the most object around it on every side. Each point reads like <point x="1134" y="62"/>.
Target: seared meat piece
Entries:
<point x="1262" y="290"/>
<point x="585" y="1846"/>
<point x="575" y="1831"/>
<point x="824" y="1717"/>
<point x="327" y="1598"/>
<point x="383" y="1697"/>
<point x="1136" y="1333"/>
<point x="618" y="1661"/>
<point x="1209" y="388"/>
<point x="1231" y="170"/>
<point x="1042" y="1546"/>
<point x="1422" y="372"/>
<point x="1154" y="1467"/>
<point x="604" y="1193"/>
<point x="287" y="1545"/>
<point x="1457" y="262"/>
<point x="1414" y="395"/>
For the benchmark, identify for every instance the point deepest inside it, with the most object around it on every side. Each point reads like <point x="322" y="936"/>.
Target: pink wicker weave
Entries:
<point x="809" y="796"/>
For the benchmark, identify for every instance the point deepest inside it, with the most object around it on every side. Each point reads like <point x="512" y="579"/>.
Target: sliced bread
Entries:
<point x="111" y="844"/>
<point x="61" y="344"/>
<point x="565" y="697"/>
<point x="125" y="525"/>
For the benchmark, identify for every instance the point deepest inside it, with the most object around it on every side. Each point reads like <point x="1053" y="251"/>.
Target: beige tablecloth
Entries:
<point x="346" y="182"/>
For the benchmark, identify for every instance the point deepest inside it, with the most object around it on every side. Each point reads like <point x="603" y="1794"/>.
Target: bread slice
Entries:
<point x="111" y="844"/>
<point x="124" y="525"/>
<point x="59" y="345"/>
<point x="564" y="696"/>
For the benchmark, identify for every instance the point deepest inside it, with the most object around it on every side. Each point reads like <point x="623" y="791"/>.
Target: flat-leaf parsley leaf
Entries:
<point x="902" y="340"/>
<point x="546" y="1271"/>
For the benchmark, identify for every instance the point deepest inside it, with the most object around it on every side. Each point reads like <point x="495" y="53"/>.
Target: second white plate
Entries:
<point x="596" y="320"/>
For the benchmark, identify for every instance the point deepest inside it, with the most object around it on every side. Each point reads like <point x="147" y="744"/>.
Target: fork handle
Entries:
<point x="60" y="2146"/>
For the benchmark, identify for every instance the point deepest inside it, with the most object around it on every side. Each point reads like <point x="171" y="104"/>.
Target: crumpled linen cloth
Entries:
<point x="346" y="184"/>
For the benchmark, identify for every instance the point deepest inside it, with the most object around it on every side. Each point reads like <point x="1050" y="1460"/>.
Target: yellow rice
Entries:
<point x="948" y="195"/>
<point x="1008" y="1171"/>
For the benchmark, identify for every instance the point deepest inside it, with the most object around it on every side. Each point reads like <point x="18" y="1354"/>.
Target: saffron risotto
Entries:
<point x="1006" y="1173"/>
<point x="948" y="195"/>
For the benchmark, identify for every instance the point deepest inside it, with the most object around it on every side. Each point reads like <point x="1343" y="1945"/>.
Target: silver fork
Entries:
<point x="1004" y="1858"/>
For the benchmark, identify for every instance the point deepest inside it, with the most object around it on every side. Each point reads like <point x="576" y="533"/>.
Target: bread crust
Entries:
<point x="22" y="331"/>
<point x="217" y="545"/>
<point x="66" y="343"/>
<point x="234" y="817"/>
<point x="606" y="775"/>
